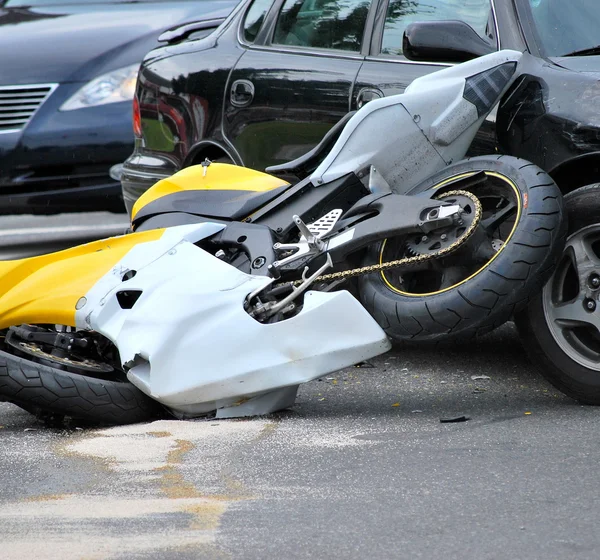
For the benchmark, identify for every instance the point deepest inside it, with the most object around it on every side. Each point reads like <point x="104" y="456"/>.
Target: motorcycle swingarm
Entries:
<point x="388" y="215"/>
<point x="309" y="203"/>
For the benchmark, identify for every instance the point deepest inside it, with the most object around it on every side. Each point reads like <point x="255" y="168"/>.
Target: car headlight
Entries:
<point x="118" y="85"/>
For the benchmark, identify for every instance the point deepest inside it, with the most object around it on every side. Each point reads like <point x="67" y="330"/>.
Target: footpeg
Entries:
<point x="310" y="243"/>
<point x="307" y="235"/>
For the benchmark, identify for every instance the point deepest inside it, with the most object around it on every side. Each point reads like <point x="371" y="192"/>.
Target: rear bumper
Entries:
<point x="140" y="172"/>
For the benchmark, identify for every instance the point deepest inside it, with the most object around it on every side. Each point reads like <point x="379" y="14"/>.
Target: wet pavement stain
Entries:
<point x="150" y="490"/>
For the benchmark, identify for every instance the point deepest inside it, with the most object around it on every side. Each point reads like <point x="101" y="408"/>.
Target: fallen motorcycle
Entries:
<point x="235" y="286"/>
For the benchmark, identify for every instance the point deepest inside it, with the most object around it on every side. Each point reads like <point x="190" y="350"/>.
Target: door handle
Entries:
<point x="367" y="94"/>
<point x="242" y="93"/>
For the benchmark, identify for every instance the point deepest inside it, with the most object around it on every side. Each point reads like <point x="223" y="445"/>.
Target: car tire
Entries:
<point x="560" y="335"/>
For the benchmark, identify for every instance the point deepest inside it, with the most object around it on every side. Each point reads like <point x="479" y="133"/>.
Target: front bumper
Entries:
<point x="60" y="161"/>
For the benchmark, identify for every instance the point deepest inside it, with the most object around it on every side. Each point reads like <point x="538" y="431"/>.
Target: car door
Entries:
<point x="284" y="94"/>
<point x="386" y="71"/>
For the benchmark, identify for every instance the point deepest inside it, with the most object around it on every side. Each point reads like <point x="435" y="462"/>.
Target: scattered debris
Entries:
<point x="416" y="411"/>
<point x="478" y="377"/>
<point x="462" y="418"/>
<point x="364" y="365"/>
<point x="478" y="390"/>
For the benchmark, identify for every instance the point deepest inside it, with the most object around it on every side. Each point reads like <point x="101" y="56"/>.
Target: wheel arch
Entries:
<point x="577" y="172"/>
<point x="212" y="150"/>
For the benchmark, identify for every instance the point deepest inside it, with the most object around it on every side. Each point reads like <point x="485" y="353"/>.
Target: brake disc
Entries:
<point x="83" y="364"/>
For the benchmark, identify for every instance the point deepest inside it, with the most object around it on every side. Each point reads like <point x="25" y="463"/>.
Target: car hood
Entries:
<point x="71" y="43"/>
<point x="579" y="63"/>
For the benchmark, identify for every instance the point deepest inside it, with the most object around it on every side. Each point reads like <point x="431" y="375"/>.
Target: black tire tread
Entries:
<point x="506" y="286"/>
<point x="36" y="386"/>
<point x="578" y="382"/>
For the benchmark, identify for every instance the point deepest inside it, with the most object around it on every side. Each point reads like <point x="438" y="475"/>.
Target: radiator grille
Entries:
<point x="19" y="103"/>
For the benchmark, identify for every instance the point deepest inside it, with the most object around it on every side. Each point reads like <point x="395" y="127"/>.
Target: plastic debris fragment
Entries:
<point x="454" y="419"/>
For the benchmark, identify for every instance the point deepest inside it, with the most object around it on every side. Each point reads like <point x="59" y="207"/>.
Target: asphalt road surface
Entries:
<point x="361" y="467"/>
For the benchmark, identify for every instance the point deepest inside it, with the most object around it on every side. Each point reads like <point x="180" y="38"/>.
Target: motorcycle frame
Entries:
<point x="372" y="217"/>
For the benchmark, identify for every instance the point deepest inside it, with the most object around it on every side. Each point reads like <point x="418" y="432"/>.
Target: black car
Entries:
<point x="67" y="78"/>
<point x="267" y="85"/>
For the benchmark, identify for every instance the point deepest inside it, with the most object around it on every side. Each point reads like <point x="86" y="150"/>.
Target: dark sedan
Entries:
<point x="67" y="78"/>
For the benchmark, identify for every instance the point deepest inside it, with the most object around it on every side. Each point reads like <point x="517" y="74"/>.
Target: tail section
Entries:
<point x="411" y="136"/>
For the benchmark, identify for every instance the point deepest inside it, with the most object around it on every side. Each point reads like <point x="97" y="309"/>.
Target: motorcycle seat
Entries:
<point x="304" y="165"/>
<point x="228" y="205"/>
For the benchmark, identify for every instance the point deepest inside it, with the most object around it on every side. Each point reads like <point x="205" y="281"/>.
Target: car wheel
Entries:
<point x="560" y="328"/>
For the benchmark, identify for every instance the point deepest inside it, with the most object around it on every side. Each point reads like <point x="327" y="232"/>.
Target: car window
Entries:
<point x="39" y="3"/>
<point x="254" y="19"/>
<point x="564" y="31"/>
<point x="401" y="13"/>
<point x="322" y="24"/>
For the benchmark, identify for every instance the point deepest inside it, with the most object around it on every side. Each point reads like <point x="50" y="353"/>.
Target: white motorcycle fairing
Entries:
<point x="410" y="136"/>
<point x="188" y="342"/>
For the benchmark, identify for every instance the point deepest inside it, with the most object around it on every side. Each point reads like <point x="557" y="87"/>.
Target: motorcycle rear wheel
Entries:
<point x="479" y="286"/>
<point x="47" y="391"/>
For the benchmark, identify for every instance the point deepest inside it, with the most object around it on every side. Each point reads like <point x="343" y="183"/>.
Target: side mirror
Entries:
<point x="443" y="41"/>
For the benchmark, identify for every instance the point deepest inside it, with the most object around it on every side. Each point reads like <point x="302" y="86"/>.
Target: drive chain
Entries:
<point x="344" y="274"/>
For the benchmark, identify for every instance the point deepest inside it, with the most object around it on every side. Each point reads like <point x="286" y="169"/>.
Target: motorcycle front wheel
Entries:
<point x="49" y="392"/>
<point x="492" y="275"/>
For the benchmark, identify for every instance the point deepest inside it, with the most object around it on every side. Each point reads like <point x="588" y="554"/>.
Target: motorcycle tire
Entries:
<point x="37" y="387"/>
<point x="565" y="348"/>
<point x="459" y="299"/>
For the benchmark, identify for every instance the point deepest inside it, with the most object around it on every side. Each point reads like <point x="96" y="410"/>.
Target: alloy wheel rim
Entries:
<point x="571" y="299"/>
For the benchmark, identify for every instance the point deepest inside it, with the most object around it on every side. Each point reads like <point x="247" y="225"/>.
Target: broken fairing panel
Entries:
<point x="189" y="343"/>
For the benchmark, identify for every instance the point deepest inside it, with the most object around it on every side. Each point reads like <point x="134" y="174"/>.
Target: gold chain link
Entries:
<point x="342" y="275"/>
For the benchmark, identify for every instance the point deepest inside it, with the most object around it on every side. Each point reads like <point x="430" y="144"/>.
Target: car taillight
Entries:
<point x="137" y="118"/>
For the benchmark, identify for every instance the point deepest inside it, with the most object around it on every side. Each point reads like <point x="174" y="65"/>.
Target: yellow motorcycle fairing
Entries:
<point x="46" y="289"/>
<point x="215" y="177"/>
